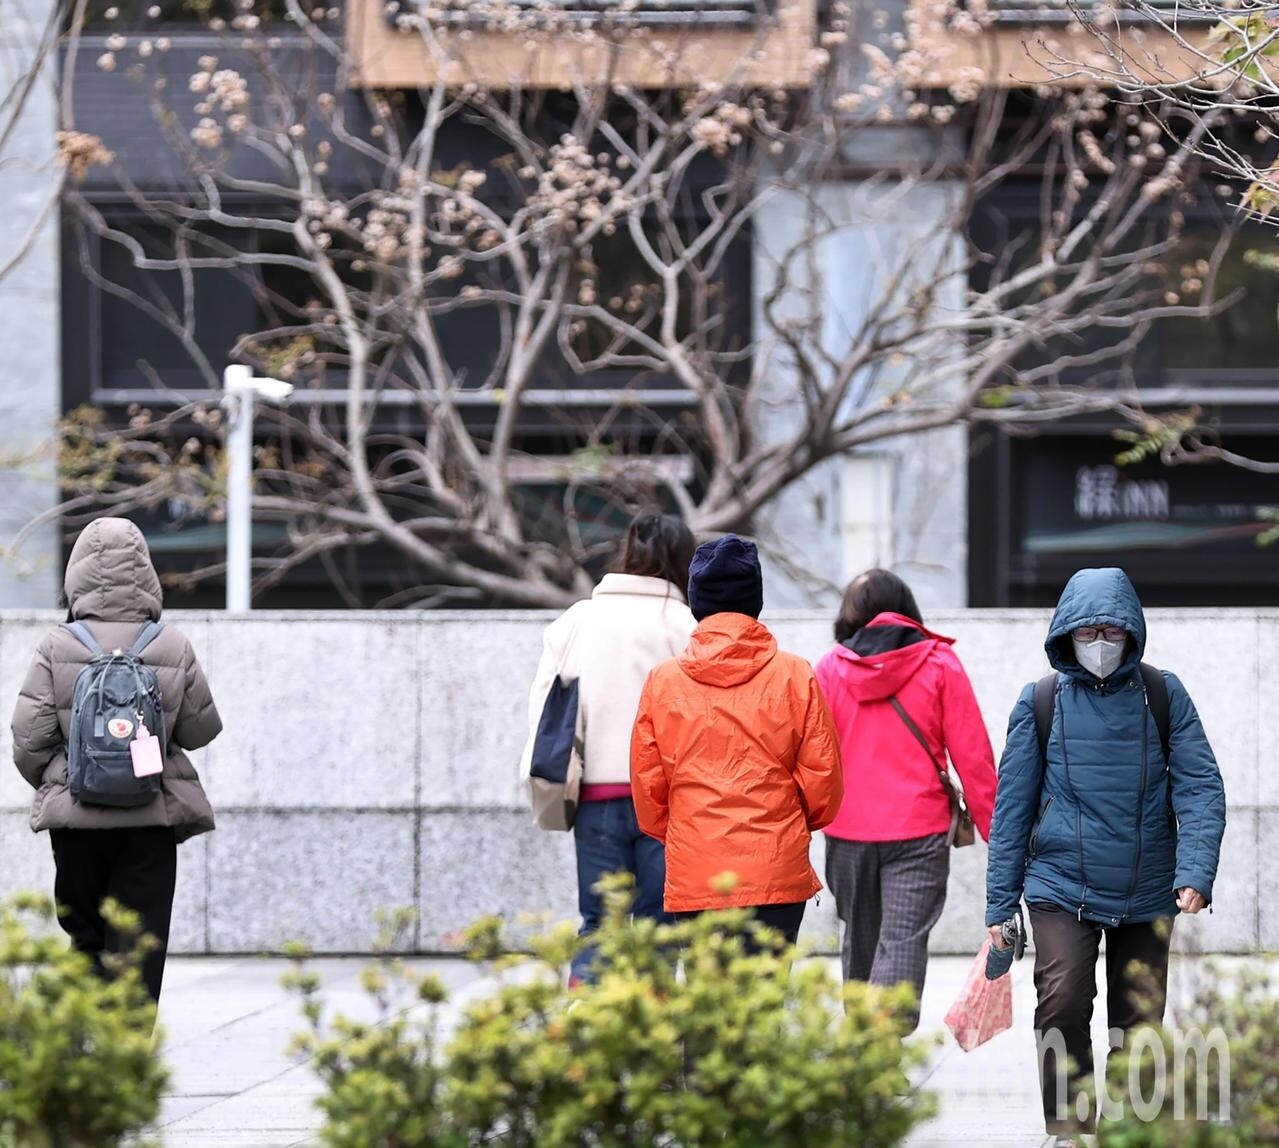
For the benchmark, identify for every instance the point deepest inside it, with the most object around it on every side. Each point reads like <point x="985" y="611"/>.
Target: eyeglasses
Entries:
<point x="1092" y="633"/>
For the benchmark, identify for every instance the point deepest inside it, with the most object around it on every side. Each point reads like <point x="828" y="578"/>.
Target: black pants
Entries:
<point x="890" y="895"/>
<point x="785" y="919"/>
<point x="137" y="868"/>
<point x="1066" y="982"/>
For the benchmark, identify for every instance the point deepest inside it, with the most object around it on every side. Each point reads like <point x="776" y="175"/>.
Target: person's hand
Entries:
<point x="996" y="936"/>
<point x="1190" y="900"/>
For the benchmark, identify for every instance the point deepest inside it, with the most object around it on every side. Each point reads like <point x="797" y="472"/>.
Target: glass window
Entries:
<point x="703" y="13"/>
<point x="1243" y="338"/>
<point x="151" y="320"/>
<point x="143" y="329"/>
<point x="1062" y="11"/>
<point x="1234" y="346"/>
<point x="134" y="14"/>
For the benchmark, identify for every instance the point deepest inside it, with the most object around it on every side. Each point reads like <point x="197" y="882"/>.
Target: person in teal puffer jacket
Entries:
<point x="1105" y="837"/>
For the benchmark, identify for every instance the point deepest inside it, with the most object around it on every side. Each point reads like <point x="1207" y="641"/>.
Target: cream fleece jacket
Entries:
<point x="610" y="642"/>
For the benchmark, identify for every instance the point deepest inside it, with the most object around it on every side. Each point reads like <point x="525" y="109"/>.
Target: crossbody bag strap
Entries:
<point x="919" y="737"/>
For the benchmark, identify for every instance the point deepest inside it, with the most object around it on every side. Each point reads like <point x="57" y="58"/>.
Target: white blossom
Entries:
<point x="207" y="133"/>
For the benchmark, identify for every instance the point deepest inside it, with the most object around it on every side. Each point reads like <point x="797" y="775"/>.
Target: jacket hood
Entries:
<point x="110" y="576"/>
<point x="728" y="650"/>
<point x="1103" y="597"/>
<point x="877" y="661"/>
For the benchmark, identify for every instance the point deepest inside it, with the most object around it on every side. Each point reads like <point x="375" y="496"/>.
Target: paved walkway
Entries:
<point x="228" y="1024"/>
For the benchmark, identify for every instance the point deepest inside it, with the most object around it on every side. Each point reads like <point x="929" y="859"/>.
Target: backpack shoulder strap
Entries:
<point x="1157" y="699"/>
<point x="148" y="634"/>
<point x="82" y="634"/>
<point x="1045" y="703"/>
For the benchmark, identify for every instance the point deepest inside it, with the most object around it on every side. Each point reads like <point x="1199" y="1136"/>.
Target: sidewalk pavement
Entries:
<point x="228" y="1023"/>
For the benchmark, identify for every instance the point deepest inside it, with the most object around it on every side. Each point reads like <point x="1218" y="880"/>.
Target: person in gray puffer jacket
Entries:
<point x="1102" y="833"/>
<point x="129" y="854"/>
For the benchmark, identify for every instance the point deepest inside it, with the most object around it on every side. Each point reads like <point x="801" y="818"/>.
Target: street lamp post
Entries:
<point x="242" y="391"/>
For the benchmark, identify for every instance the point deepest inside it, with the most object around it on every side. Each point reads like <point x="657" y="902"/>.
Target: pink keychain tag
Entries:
<point x="147" y="758"/>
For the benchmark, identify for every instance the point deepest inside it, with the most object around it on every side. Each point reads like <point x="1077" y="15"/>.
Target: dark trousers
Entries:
<point x="890" y="895"/>
<point x="785" y="919"/>
<point x="609" y="840"/>
<point x="137" y="868"/>
<point x="1066" y="981"/>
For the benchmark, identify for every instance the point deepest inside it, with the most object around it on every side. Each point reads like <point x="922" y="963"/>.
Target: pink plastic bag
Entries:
<point x="983" y="1008"/>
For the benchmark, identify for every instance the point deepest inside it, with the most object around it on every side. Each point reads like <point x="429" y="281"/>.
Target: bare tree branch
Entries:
<point x="592" y="247"/>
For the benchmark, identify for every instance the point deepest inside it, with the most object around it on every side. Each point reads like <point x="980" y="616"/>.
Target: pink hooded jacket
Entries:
<point x="891" y="788"/>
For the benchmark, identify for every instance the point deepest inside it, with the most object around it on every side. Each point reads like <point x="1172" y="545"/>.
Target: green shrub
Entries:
<point x="1246" y="1010"/>
<point x="78" y="1064"/>
<point x="736" y="1050"/>
<point x="383" y="1076"/>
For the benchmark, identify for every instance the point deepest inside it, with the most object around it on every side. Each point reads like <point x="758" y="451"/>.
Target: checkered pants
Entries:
<point x="889" y="894"/>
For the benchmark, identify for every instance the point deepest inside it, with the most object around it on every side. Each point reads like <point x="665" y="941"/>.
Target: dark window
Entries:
<point x="144" y="329"/>
<point x="131" y="15"/>
<point x="128" y="328"/>
<point x="1062" y="500"/>
<point x="716" y="13"/>
<point x="1234" y="346"/>
<point x="143" y="313"/>
<point x="120" y="348"/>
<point x="1187" y="535"/>
<point x="1238" y="344"/>
<point x="1064" y="11"/>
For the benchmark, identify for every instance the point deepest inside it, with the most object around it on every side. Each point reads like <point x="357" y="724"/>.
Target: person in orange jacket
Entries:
<point x="735" y="757"/>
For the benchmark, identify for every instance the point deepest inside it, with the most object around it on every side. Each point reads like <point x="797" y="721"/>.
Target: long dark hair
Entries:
<point x="869" y="595"/>
<point x="658" y="546"/>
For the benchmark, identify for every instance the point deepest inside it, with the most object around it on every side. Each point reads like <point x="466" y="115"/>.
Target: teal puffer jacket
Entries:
<point x="1109" y="830"/>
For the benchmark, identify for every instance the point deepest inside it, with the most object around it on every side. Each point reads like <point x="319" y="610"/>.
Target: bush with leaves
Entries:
<point x="684" y="1040"/>
<point x="1245" y="1011"/>
<point x="383" y="1075"/>
<point x="79" y="1067"/>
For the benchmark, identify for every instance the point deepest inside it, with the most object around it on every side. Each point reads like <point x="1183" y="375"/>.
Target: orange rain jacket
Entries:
<point x="734" y="762"/>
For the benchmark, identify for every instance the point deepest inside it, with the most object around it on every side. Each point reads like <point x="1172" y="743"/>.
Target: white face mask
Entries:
<point x="1100" y="657"/>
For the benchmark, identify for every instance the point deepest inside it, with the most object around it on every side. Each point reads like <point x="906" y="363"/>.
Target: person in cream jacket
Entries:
<point x="636" y="618"/>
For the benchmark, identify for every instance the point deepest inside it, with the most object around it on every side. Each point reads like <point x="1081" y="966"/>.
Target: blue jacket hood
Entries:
<point x="1103" y="597"/>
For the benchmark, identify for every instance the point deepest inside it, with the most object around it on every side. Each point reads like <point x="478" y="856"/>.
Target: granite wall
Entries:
<point x="370" y="761"/>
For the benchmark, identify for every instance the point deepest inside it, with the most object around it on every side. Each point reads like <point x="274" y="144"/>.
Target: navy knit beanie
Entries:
<point x="725" y="578"/>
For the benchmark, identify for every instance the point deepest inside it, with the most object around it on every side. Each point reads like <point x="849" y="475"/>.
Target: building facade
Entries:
<point x="969" y="516"/>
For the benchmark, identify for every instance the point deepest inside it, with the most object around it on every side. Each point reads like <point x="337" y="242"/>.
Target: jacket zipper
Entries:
<point x="1034" y="837"/>
<point x="1141" y="802"/>
<point x="1079" y="822"/>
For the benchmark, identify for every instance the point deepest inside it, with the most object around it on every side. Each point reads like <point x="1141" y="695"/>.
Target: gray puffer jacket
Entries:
<point x="113" y="587"/>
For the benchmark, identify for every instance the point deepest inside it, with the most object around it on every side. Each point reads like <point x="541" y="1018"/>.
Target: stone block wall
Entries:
<point x="371" y="762"/>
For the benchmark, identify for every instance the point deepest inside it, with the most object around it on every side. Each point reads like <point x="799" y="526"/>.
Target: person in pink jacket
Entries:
<point x="887" y="852"/>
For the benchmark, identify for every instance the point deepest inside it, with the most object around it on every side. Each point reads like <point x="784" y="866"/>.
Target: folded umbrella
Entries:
<point x="999" y="961"/>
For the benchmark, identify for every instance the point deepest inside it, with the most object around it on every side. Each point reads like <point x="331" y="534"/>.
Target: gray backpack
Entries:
<point x="113" y="694"/>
